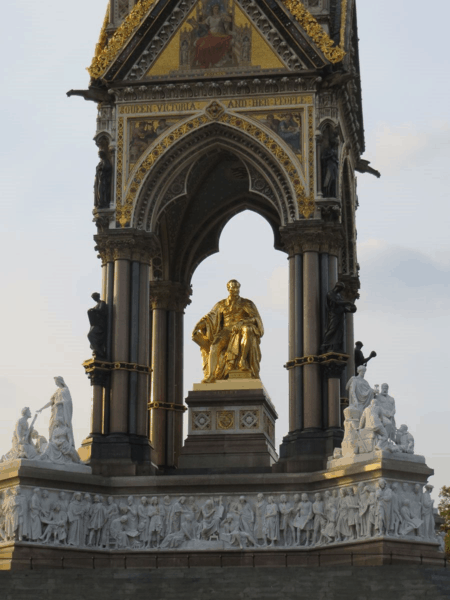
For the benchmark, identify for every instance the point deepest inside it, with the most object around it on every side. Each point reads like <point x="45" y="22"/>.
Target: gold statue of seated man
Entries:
<point x="229" y="337"/>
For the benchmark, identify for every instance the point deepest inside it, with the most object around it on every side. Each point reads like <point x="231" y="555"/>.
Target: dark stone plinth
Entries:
<point x="307" y="451"/>
<point x="118" y="454"/>
<point x="230" y="429"/>
<point x="25" y="556"/>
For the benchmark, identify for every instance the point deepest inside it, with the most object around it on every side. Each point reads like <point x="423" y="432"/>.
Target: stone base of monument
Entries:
<point x="231" y="427"/>
<point x="71" y="519"/>
<point x="383" y="551"/>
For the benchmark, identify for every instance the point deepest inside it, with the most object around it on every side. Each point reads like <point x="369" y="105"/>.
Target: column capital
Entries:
<point x="352" y="287"/>
<point x="118" y="244"/>
<point x="169" y="295"/>
<point x="310" y="236"/>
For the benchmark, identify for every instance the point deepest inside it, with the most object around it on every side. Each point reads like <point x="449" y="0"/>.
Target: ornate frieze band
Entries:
<point x="373" y="509"/>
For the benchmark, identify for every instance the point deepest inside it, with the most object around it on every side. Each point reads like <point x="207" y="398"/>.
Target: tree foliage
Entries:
<point x="444" y="510"/>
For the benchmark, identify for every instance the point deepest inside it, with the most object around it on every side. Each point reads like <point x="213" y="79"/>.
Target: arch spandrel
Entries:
<point x="219" y="126"/>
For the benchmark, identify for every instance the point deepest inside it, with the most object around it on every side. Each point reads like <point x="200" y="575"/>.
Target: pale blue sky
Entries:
<point x="50" y="268"/>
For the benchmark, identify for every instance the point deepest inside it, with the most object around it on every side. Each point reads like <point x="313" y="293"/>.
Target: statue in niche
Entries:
<point x="333" y="339"/>
<point x="360" y="360"/>
<point x="98" y="319"/>
<point x="330" y="166"/>
<point x="229" y="337"/>
<point x="103" y="181"/>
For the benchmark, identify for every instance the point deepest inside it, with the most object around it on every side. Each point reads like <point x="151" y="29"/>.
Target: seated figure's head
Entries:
<point x="233" y="287"/>
<point x="362" y="370"/>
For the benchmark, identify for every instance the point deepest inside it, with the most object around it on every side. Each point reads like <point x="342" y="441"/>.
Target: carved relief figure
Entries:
<point x="304" y="521"/>
<point x="98" y="319"/>
<point x="156" y="524"/>
<point x="337" y="308"/>
<point x="75" y="517"/>
<point x="260" y="511"/>
<point x="287" y="530"/>
<point x="271" y="522"/>
<point x="111" y="513"/>
<point x="229" y="337"/>
<point x="428" y="529"/>
<point x="35" y="515"/>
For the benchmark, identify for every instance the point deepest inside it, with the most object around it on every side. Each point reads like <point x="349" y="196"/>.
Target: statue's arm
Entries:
<point x="44" y="407"/>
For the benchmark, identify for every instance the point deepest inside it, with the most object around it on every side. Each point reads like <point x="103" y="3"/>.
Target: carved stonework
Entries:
<point x="56" y="518"/>
<point x="248" y="419"/>
<point x="201" y="421"/>
<point x="126" y="245"/>
<point x="225" y="419"/>
<point x="307" y="236"/>
<point x="169" y="295"/>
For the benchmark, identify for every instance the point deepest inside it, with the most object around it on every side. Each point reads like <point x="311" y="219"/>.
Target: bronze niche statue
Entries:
<point x="333" y="340"/>
<point x="103" y="181"/>
<point x="229" y="337"/>
<point x="359" y="357"/>
<point x="98" y="318"/>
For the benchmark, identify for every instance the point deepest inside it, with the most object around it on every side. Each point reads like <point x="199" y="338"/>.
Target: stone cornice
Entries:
<point x="118" y="244"/>
<point x="169" y="295"/>
<point x="312" y="236"/>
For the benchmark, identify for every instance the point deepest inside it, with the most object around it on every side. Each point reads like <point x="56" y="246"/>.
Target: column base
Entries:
<point x="308" y="450"/>
<point x="118" y="454"/>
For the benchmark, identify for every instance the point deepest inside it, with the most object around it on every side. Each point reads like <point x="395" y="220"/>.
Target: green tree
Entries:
<point x="444" y="510"/>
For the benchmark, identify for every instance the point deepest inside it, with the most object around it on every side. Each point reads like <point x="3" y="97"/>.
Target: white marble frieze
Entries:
<point x="369" y="510"/>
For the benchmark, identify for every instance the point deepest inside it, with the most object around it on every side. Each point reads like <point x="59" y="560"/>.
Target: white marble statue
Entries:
<point x="387" y="404"/>
<point x="360" y="392"/>
<point x="372" y="419"/>
<point x="61" y="441"/>
<point x="22" y="440"/>
<point x="372" y="509"/>
<point x="404" y="440"/>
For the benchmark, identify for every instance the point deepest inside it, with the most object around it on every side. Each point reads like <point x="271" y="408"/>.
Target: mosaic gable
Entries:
<point x="216" y="38"/>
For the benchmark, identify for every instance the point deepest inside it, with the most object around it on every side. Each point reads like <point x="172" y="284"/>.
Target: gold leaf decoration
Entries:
<point x="315" y="31"/>
<point x="103" y="38"/>
<point x="101" y="63"/>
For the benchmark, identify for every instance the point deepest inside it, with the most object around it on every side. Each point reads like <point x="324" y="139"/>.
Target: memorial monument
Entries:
<point x="206" y="109"/>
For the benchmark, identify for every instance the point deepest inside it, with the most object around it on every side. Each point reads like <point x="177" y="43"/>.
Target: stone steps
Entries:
<point x="358" y="583"/>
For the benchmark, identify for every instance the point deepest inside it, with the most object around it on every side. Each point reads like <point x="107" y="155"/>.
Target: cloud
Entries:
<point x="398" y="278"/>
<point x="405" y="146"/>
